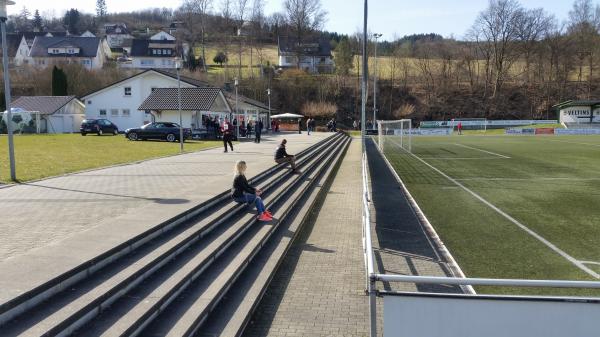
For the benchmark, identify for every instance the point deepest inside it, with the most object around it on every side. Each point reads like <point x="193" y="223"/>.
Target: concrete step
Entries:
<point x="141" y="305"/>
<point x="80" y="303"/>
<point x="192" y="308"/>
<point x="231" y="316"/>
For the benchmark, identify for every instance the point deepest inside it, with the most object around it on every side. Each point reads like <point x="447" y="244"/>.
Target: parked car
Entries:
<point x="99" y="127"/>
<point x="158" y="130"/>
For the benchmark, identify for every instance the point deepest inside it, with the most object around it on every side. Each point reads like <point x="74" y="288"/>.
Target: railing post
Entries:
<point x="372" y="307"/>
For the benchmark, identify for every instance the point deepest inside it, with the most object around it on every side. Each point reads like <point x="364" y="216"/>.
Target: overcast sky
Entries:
<point x="389" y="17"/>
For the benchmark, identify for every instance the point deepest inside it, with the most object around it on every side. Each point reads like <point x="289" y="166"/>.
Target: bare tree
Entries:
<point x="257" y="24"/>
<point x="498" y="26"/>
<point x="241" y="7"/>
<point x="584" y="21"/>
<point x="304" y="17"/>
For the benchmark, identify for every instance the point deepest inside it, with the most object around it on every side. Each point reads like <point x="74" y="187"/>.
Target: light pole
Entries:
<point x="177" y="66"/>
<point x="11" y="145"/>
<point x="376" y="36"/>
<point x="269" y="117"/>
<point x="237" y="113"/>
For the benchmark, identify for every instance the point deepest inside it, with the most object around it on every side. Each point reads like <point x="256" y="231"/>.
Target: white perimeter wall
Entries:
<point x="114" y="98"/>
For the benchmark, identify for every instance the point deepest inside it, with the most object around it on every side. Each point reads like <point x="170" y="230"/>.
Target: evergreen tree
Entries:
<point x="59" y="82"/>
<point x="71" y="20"/>
<point x="192" y="64"/>
<point x="344" y="57"/>
<point x="37" y="20"/>
<point x="101" y="9"/>
<point x="220" y="58"/>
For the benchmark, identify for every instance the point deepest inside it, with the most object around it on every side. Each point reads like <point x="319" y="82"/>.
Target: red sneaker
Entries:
<point x="269" y="213"/>
<point x="264" y="217"/>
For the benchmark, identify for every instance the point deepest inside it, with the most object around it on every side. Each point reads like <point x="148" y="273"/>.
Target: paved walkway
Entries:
<point x="50" y="226"/>
<point x="319" y="288"/>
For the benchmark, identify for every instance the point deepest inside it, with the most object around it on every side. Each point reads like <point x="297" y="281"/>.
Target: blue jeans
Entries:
<point x="252" y="198"/>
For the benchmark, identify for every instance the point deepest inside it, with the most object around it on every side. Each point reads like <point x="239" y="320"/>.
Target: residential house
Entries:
<point x="52" y="114"/>
<point x="20" y="43"/>
<point x="87" y="51"/>
<point x="87" y="33"/>
<point x="197" y="104"/>
<point x="159" y="51"/>
<point x="312" y="55"/>
<point x="116" y="36"/>
<point x="119" y="102"/>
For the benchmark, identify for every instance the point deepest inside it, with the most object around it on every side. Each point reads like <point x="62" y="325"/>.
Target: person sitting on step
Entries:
<point x="243" y="193"/>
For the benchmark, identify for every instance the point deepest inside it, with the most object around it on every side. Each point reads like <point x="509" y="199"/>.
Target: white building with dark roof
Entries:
<point x="54" y="114"/>
<point x="312" y="55"/>
<point x="86" y="51"/>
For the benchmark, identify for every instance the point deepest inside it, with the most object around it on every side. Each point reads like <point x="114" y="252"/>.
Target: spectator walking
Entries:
<point x="249" y="129"/>
<point x="227" y="131"/>
<point x="276" y="125"/>
<point x="281" y="156"/>
<point x="355" y="124"/>
<point x="308" y="126"/>
<point x="258" y="131"/>
<point x="243" y="193"/>
<point x="299" y="126"/>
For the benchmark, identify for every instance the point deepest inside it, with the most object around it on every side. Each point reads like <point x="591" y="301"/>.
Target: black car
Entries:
<point x="158" y="130"/>
<point x="98" y="126"/>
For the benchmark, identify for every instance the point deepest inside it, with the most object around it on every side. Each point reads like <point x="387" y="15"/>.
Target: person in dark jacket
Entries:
<point x="243" y="193"/>
<point x="258" y="131"/>
<point x="281" y="156"/>
<point x="227" y="131"/>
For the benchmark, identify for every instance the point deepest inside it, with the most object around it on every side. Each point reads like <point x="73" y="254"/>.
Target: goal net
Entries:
<point x="395" y="133"/>
<point x="461" y="124"/>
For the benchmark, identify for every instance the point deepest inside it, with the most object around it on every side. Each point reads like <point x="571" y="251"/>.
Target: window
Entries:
<point x="127" y="91"/>
<point x="159" y="51"/>
<point x="147" y="62"/>
<point x="125" y="112"/>
<point x="168" y="51"/>
<point x="114" y="112"/>
<point x="102" y="112"/>
<point x="55" y="51"/>
<point x="71" y="51"/>
<point x="89" y="102"/>
<point x="153" y="51"/>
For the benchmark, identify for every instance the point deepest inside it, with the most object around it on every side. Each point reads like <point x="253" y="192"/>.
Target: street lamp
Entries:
<point x="178" y="63"/>
<point x="237" y="113"/>
<point x="376" y="36"/>
<point x="269" y="116"/>
<point x="7" y="99"/>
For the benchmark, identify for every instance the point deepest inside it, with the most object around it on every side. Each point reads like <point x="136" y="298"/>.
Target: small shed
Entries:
<point x="579" y="112"/>
<point x="56" y="114"/>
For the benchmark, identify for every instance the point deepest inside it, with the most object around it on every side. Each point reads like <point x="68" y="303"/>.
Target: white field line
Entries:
<point x="570" y="142"/>
<point x="527" y="179"/>
<point x="461" y="158"/>
<point x="549" y="244"/>
<point x="484" y="151"/>
<point x="591" y="262"/>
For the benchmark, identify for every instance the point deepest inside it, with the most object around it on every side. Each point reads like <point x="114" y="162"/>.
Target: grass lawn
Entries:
<point x="549" y="184"/>
<point x="39" y="156"/>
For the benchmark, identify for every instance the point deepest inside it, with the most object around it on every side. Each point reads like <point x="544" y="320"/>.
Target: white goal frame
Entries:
<point x="383" y="131"/>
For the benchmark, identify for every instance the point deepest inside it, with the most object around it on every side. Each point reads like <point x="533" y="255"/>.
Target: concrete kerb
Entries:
<point x="24" y="302"/>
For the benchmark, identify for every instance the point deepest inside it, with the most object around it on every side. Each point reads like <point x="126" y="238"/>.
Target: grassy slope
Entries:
<point x="485" y="243"/>
<point x="39" y="156"/>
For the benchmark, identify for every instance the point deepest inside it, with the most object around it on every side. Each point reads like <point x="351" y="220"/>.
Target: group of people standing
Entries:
<point x="311" y="123"/>
<point x="228" y="130"/>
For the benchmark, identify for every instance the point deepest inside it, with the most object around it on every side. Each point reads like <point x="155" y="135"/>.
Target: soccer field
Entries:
<point x="510" y="206"/>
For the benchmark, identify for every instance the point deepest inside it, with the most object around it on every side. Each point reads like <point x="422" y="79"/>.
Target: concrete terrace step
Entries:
<point x="231" y="316"/>
<point x="143" y="304"/>
<point x="218" y="280"/>
<point x="88" y="296"/>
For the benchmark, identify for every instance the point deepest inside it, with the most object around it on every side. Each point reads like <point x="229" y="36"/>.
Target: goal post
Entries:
<point x="477" y="124"/>
<point x="399" y="132"/>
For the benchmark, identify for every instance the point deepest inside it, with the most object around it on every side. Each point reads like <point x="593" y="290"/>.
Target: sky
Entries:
<point x="392" y="18"/>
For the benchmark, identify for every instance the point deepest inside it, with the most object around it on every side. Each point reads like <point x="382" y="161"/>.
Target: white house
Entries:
<point x="579" y="112"/>
<point x="116" y="36"/>
<point x="119" y="102"/>
<point x="196" y="105"/>
<point x="53" y="114"/>
<point x="314" y="55"/>
<point x="87" y="51"/>
<point x="19" y="45"/>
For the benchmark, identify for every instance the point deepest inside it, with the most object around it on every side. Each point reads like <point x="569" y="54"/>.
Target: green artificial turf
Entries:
<point x="549" y="183"/>
<point x="39" y="156"/>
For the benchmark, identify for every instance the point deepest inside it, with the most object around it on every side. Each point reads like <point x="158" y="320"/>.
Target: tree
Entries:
<point x="59" y="82"/>
<point x="71" y="20"/>
<point x="37" y="20"/>
<point x="304" y="17"/>
<point x="240" y="15"/>
<point x="220" y="58"/>
<point x="101" y="9"/>
<point x="344" y="57"/>
<point x="191" y="63"/>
